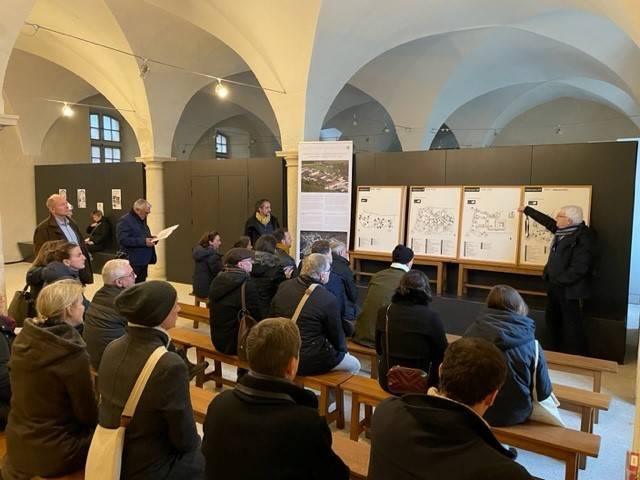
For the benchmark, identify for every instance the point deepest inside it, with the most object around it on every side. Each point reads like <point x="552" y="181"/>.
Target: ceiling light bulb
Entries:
<point x="67" y="111"/>
<point x="385" y="129"/>
<point x="558" y="130"/>
<point x="144" y="68"/>
<point x="355" y="120"/>
<point x="220" y="90"/>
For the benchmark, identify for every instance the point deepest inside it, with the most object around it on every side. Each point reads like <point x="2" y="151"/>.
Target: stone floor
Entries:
<point x="615" y="426"/>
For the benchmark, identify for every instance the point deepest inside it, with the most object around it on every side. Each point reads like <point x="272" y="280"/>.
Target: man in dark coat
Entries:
<point x="59" y="226"/>
<point x="341" y="267"/>
<point x="324" y="346"/>
<point x="568" y="272"/>
<point x="288" y="439"/>
<point x="161" y="440"/>
<point x="442" y="434"/>
<point x="135" y="239"/>
<point x="262" y="222"/>
<point x="283" y="247"/>
<point x="381" y="288"/>
<point x="225" y="299"/>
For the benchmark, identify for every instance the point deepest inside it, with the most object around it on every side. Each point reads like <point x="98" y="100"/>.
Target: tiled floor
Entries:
<point x="615" y="426"/>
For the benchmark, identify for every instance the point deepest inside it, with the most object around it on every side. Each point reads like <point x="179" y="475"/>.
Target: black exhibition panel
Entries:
<point x="608" y="167"/>
<point x="98" y="180"/>
<point x="215" y="195"/>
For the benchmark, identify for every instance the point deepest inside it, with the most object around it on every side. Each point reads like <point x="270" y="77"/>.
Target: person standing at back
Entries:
<point x="381" y="288"/>
<point x="207" y="261"/>
<point x="59" y="226"/>
<point x="135" y="239"/>
<point x="262" y="222"/>
<point x="99" y="232"/>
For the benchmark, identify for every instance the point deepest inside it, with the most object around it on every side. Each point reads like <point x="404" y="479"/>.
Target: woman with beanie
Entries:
<point x="505" y="324"/>
<point x="53" y="406"/>
<point x="416" y="334"/>
<point x="161" y="440"/>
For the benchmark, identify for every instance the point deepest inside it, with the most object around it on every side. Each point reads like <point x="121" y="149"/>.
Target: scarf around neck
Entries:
<point x="263" y="219"/>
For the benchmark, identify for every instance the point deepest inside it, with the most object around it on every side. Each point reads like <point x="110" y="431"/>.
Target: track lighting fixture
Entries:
<point x="220" y="90"/>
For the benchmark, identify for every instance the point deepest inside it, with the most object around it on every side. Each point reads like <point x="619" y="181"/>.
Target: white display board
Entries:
<point x="535" y="240"/>
<point x="380" y="218"/>
<point x="434" y="220"/>
<point x="489" y="225"/>
<point x="324" y="193"/>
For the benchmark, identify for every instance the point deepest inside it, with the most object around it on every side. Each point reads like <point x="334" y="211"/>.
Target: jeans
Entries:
<point x="349" y="364"/>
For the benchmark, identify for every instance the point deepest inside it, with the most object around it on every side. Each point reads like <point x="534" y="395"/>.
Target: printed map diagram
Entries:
<point x="434" y="221"/>
<point x="379" y="218"/>
<point x="376" y="221"/>
<point x="485" y="223"/>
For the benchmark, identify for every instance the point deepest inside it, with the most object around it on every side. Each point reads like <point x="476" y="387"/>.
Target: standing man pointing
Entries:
<point x="568" y="272"/>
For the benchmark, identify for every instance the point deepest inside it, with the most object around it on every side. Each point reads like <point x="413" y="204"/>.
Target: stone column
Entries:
<point x="291" y="162"/>
<point x="154" y="174"/>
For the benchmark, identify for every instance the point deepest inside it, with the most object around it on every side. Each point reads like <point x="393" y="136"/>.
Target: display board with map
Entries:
<point x="489" y="224"/>
<point x="434" y="218"/>
<point x="380" y="217"/>
<point x="535" y="240"/>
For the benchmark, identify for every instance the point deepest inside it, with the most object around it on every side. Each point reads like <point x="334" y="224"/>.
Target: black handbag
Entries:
<point x="22" y="306"/>
<point x="401" y="380"/>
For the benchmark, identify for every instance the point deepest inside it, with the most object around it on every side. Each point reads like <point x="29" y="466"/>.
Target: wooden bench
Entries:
<point x="463" y="277"/>
<point x="325" y="383"/>
<point x="354" y="454"/>
<point x="367" y="352"/>
<point x="573" y="446"/>
<point x="194" y="312"/>
<point x="200" y="400"/>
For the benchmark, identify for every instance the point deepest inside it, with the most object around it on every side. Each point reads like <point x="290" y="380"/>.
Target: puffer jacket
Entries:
<point x="514" y="335"/>
<point x="267" y="274"/>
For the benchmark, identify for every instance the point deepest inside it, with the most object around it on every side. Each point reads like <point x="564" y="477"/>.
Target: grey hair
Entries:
<point x="141" y="203"/>
<point x="337" y="247"/>
<point x="315" y="264"/>
<point x="113" y="270"/>
<point x="573" y="213"/>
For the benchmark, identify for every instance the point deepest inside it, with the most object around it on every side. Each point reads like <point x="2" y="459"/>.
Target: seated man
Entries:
<point x="324" y="346"/>
<point x="268" y="427"/>
<point x="442" y="434"/>
<point x="283" y="247"/>
<point x="161" y="441"/>
<point x="340" y="266"/>
<point x="381" y="288"/>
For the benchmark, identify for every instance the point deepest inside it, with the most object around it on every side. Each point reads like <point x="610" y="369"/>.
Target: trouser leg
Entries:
<point x="573" y="320"/>
<point x="141" y="272"/>
<point x="553" y="317"/>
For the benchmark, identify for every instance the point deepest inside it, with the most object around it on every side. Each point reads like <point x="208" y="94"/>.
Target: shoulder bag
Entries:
<point x="245" y="323"/>
<point x="22" y="306"/>
<point x="303" y="300"/>
<point x="544" y="411"/>
<point x="401" y="380"/>
<point x="104" y="460"/>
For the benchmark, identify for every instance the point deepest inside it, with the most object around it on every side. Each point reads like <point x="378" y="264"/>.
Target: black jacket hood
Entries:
<point x="504" y="329"/>
<point x="227" y="281"/>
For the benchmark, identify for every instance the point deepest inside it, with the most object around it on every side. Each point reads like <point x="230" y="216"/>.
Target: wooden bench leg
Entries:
<point x="374" y="368"/>
<point x="461" y="272"/>
<point x="439" y="279"/>
<point x="323" y="403"/>
<point x="597" y="386"/>
<point x="354" y="429"/>
<point x="195" y="324"/>
<point x="200" y="378"/>
<point x="217" y="373"/>
<point x="571" y="467"/>
<point x="340" y="408"/>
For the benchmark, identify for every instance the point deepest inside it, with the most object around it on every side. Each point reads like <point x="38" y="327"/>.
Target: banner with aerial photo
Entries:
<point x="324" y="193"/>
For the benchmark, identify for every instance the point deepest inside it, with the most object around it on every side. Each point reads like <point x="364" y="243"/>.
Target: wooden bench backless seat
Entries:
<point x="200" y="400"/>
<point x="354" y="454"/>
<point x="325" y="383"/>
<point x="362" y="351"/>
<point x="572" y="444"/>
<point x="194" y="312"/>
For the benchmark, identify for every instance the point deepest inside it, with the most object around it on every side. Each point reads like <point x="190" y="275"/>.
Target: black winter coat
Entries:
<point x="53" y="407"/>
<point x="254" y="229"/>
<point x="5" y="383"/>
<point x="571" y="259"/>
<point x="100" y="235"/>
<point x="416" y="336"/>
<point x="514" y="335"/>
<point x="35" y="280"/>
<point x="423" y="437"/>
<point x="225" y="304"/>
<point x="208" y="264"/>
<point x="132" y="233"/>
<point x="162" y="434"/>
<point x="323" y="341"/>
<point x="267" y="274"/>
<point x="102" y="324"/>
<point x="268" y="429"/>
<point x="340" y="266"/>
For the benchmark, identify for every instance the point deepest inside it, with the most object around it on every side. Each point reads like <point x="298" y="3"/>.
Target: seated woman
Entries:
<point x="161" y="440"/>
<point x="243" y="242"/>
<point x="7" y="335"/>
<point x="99" y="232"/>
<point x="45" y="256"/>
<point x="68" y="260"/>
<point x="53" y="407"/>
<point x="505" y="324"/>
<point x="208" y="263"/>
<point x="267" y="271"/>
<point x="416" y="334"/>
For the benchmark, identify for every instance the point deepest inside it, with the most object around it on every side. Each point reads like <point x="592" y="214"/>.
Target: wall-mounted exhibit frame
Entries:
<point x="434" y="221"/>
<point x="535" y="240"/>
<point x="489" y="224"/>
<point x="380" y="218"/>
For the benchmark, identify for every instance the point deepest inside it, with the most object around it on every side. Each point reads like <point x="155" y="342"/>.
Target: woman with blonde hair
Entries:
<point x="53" y="407"/>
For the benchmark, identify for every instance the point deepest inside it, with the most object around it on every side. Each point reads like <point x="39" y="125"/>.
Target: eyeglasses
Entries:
<point x="130" y="275"/>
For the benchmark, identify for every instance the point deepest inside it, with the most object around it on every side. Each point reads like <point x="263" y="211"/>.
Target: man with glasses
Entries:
<point x="135" y="239"/>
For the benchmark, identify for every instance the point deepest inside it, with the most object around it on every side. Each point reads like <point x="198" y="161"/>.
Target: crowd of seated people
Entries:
<point x="267" y="426"/>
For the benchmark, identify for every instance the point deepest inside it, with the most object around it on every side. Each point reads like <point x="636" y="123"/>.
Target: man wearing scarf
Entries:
<point x="262" y="222"/>
<point x="568" y="272"/>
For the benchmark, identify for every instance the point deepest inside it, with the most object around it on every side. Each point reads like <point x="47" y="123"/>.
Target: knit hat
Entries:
<point x="235" y="255"/>
<point x="402" y="254"/>
<point x="147" y="303"/>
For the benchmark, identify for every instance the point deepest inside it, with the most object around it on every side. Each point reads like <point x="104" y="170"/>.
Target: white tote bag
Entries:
<point x="104" y="460"/>
<point x="545" y="411"/>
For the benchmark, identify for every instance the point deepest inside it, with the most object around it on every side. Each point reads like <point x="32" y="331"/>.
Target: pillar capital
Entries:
<point x="151" y="160"/>
<point x="7" y="120"/>
<point x="290" y="157"/>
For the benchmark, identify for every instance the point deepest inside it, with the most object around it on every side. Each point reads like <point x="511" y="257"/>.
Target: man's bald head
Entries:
<point x="58" y="205"/>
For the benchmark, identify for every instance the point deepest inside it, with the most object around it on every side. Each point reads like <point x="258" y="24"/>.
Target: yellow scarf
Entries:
<point x="282" y="247"/>
<point x="263" y="219"/>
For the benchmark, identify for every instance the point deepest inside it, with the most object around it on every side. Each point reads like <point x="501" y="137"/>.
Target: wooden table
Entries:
<point x="463" y="277"/>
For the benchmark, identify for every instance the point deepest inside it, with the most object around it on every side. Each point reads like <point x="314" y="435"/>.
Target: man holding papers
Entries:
<point x="135" y="239"/>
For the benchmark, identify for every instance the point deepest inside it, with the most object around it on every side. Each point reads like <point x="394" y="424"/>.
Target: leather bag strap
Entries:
<point x="386" y="334"/>
<point x="243" y="296"/>
<point x="304" y="299"/>
<point x="141" y="382"/>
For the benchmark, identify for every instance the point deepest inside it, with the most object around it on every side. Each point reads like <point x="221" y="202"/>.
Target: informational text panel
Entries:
<point x="379" y="218"/>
